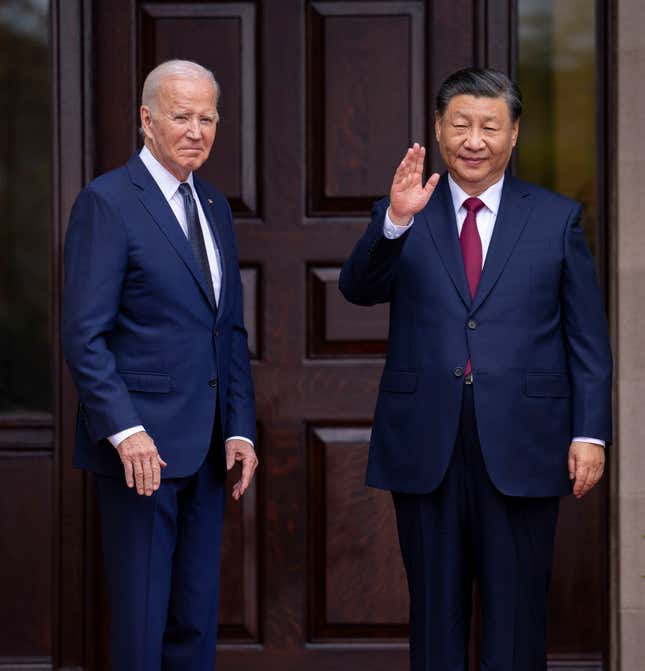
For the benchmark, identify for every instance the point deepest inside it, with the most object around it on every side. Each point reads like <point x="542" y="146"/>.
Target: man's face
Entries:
<point x="180" y="128"/>
<point x="476" y="137"/>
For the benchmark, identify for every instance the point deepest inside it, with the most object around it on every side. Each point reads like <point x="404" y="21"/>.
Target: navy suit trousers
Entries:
<point x="162" y="558"/>
<point x="467" y="530"/>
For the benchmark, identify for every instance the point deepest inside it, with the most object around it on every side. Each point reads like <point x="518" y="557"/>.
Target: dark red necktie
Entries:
<point x="471" y="248"/>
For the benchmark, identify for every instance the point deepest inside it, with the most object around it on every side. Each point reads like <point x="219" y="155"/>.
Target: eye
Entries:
<point x="206" y="121"/>
<point x="490" y="129"/>
<point x="180" y="117"/>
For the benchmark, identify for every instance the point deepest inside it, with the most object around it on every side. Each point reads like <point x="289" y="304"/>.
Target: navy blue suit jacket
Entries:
<point x="536" y="333"/>
<point x="142" y="341"/>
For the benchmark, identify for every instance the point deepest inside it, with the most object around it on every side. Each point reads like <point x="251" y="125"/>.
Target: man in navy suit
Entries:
<point x="496" y="394"/>
<point x="154" y="336"/>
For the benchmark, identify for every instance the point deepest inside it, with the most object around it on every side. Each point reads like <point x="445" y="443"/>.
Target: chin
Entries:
<point x="191" y="165"/>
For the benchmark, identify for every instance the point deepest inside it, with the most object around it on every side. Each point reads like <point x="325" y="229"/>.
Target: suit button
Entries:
<point x="212" y="383"/>
<point x="472" y="324"/>
<point x="459" y="372"/>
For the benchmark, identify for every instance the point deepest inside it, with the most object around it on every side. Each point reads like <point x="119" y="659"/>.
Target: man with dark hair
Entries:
<point x="496" y="394"/>
<point x="154" y="337"/>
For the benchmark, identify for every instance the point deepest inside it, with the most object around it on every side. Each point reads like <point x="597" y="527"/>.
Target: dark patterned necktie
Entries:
<point x="471" y="248"/>
<point x="196" y="238"/>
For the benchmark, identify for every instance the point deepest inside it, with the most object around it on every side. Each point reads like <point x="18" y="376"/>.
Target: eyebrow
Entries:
<point x="182" y="110"/>
<point x="459" y="113"/>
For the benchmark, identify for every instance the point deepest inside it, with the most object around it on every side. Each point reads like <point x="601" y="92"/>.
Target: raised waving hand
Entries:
<point x="408" y="195"/>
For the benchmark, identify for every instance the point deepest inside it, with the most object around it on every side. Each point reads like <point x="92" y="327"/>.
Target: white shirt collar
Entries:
<point x="166" y="181"/>
<point x="491" y="197"/>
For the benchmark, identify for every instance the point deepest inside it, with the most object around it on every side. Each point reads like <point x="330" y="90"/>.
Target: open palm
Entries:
<point x="408" y="195"/>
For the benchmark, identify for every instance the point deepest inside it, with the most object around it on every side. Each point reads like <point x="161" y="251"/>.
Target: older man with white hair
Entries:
<point x="154" y="337"/>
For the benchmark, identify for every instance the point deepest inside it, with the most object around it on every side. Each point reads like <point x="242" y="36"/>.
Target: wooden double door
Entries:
<point x="319" y="101"/>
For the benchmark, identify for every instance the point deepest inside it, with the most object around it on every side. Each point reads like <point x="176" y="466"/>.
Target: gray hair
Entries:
<point x="175" y="69"/>
<point x="481" y="83"/>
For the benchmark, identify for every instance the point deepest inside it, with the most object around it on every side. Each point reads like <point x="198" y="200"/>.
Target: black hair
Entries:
<point x="481" y="83"/>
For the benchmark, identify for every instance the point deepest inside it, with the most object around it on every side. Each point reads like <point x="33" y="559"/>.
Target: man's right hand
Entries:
<point x="408" y="195"/>
<point x="141" y="462"/>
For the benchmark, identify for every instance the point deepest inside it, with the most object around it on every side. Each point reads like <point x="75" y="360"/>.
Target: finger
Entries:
<point x="156" y="473"/>
<point x="582" y="475"/>
<point x="162" y="463"/>
<point x="592" y="481"/>
<point x="405" y="159"/>
<point x="399" y="174"/>
<point x="420" y="160"/>
<point x="245" y="480"/>
<point x="248" y="468"/>
<point x="147" y="476"/>
<point x="404" y="168"/>
<point x="432" y="182"/>
<point x="572" y="464"/>
<point x="601" y="470"/>
<point x="230" y="459"/>
<point x="597" y="474"/>
<point x="236" y="491"/>
<point x="129" y="477"/>
<point x="589" y="484"/>
<point x="138" y="476"/>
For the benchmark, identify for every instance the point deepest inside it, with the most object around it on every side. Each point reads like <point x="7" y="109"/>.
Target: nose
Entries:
<point x="193" y="129"/>
<point x="475" y="139"/>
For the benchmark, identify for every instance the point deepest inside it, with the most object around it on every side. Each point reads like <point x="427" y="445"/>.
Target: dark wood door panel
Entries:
<point x="222" y="37"/>
<point x="366" y="98"/>
<point x="26" y="530"/>
<point x="357" y="588"/>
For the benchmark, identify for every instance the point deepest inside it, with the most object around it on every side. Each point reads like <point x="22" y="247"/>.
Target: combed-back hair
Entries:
<point x="481" y="83"/>
<point x="171" y="69"/>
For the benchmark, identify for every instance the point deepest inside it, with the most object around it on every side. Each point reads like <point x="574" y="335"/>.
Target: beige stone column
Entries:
<point x="628" y="277"/>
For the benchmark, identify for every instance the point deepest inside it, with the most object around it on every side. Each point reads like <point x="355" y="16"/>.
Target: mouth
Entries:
<point x="472" y="162"/>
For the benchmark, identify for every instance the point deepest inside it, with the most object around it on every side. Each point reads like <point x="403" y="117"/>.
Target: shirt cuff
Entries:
<point x="118" y="438"/>
<point x="390" y="230"/>
<point x="246" y="440"/>
<point x="583" y="439"/>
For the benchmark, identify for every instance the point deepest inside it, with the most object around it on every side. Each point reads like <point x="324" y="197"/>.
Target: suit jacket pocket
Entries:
<point x="154" y="383"/>
<point x="398" y="381"/>
<point x="554" y="385"/>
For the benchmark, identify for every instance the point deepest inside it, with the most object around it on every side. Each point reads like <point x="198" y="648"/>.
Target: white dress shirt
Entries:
<point x="169" y="186"/>
<point x="486" y="218"/>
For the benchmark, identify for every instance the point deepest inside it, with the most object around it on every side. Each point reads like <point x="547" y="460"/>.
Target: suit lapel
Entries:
<point x="158" y="207"/>
<point x="512" y="217"/>
<point x="439" y="216"/>
<point x="215" y="211"/>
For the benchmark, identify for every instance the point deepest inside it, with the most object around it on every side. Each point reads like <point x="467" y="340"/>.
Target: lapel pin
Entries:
<point x="210" y="202"/>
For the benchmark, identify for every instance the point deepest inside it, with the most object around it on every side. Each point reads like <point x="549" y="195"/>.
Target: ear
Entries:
<point x="437" y="125"/>
<point x="146" y="120"/>
<point x="516" y="132"/>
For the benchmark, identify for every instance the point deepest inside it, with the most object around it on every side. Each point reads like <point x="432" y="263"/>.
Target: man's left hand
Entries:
<point x="240" y="450"/>
<point x="586" y="465"/>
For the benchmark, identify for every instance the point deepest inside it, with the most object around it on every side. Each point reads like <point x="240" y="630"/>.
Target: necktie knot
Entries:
<point x="473" y="205"/>
<point x="184" y="189"/>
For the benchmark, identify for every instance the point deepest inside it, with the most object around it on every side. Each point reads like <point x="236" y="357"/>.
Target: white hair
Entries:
<point x="175" y="69"/>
